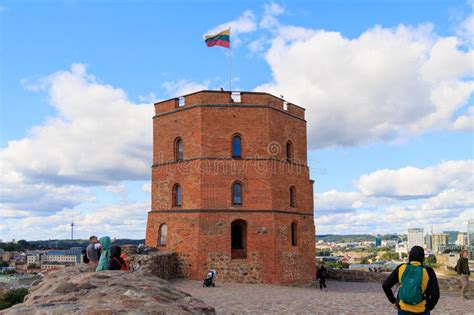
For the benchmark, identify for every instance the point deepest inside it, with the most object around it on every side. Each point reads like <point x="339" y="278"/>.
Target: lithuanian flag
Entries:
<point x="220" y="39"/>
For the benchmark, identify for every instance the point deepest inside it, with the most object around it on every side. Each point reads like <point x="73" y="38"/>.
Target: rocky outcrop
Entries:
<point x="78" y="290"/>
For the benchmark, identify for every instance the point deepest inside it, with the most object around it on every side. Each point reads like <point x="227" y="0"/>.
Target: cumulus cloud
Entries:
<point x="412" y="182"/>
<point x="115" y="220"/>
<point x="385" y="85"/>
<point x="395" y="200"/>
<point x="183" y="87"/>
<point x="272" y="10"/>
<point x="465" y="122"/>
<point x="96" y="137"/>
<point x="245" y="23"/>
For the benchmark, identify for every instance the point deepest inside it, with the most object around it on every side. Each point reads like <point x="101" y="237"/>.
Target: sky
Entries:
<point x="387" y="86"/>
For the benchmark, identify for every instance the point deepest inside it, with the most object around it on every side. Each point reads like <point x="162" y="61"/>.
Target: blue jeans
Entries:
<point x="400" y="312"/>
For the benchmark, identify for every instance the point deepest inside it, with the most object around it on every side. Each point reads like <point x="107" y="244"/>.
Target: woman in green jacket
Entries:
<point x="105" y="255"/>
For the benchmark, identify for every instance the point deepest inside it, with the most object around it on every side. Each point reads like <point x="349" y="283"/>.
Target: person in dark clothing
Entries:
<point x="116" y="262"/>
<point x="322" y="275"/>
<point x="462" y="268"/>
<point x="429" y="285"/>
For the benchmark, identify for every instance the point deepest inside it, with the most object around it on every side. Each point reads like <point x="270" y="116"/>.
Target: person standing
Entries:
<point x="322" y="275"/>
<point x="462" y="268"/>
<point x="104" y="259"/>
<point x="418" y="291"/>
<point x="92" y="253"/>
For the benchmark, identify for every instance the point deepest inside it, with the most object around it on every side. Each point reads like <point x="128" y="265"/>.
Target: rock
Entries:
<point x="77" y="290"/>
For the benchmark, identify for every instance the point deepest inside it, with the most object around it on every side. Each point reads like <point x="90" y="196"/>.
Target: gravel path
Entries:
<point x="342" y="298"/>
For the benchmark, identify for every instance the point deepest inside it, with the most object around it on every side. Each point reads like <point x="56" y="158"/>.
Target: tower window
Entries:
<point x="238" y="239"/>
<point x="178" y="149"/>
<point x="181" y="101"/>
<point x="177" y="197"/>
<point x="163" y="235"/>
<point x="237" y="194"/>
<point x="289" y="151"/>
<point x="236" y="147"/>
<point x="294" y="233"/>
<point x="292" y="196"/>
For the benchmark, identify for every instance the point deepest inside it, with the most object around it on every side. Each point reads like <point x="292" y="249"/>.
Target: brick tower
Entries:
<point x="231" y="188"/>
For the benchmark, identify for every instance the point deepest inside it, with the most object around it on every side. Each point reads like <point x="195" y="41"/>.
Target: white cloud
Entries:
<point x="96" y="137"/>
<point x="115" y="220"/>
<point x="465" y="122"/>
<point x="395" y="200"/>
<point x="147" y="187"/>
<point x="183" y="87"/>
<point x="412" y="182"/>
<point x="338" y="202"/>
<point x="246" y="23"/>
<point x="385" y="85"/>
<point x="272" y="10"/>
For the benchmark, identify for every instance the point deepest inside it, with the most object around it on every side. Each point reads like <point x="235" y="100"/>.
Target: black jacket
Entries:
<point x="322" y="273"/>
<point x="431" y="294"/>
<point x="462" y="267"/>
<point x="116" y="262"/>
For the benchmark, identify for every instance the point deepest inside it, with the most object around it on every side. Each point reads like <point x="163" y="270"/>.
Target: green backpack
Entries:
<point x="410" y="289"/>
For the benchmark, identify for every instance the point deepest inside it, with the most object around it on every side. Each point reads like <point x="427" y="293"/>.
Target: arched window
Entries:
<point x="238" y="230"/>
<point x="294" y="233"/>
<point x="163" y="235"/>
<point x="178" y="149"/>
<point x="237" y="194"/>
<point x="289" y="151"/>
<point x="292" y="196"/>
<point x="236" y="146"/>
<point x="177" y="197"/>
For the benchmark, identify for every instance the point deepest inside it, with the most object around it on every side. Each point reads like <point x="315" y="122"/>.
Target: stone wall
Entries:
<point x="162" y="265"/>
<point x="446" y="284"/>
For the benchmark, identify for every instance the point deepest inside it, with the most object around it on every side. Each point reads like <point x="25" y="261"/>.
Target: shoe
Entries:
<point x="465" y="297"/>
<point x="326" y="289"/>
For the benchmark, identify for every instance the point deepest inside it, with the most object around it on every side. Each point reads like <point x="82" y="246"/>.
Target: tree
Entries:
<point x="12" y="297"/>
<point x="431" y="261"/>
<point x="33" y="266"/>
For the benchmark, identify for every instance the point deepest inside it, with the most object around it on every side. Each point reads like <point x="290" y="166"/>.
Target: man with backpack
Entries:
<point x="418" y="290"/>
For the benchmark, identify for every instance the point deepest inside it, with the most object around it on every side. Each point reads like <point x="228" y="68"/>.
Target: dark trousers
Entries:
<point x="322" y="283"/>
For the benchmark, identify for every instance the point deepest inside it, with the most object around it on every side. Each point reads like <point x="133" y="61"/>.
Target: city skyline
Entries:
<point x="388" y="92"/>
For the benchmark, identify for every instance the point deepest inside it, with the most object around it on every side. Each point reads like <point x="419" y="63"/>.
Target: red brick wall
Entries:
<point x="200" y="231"/>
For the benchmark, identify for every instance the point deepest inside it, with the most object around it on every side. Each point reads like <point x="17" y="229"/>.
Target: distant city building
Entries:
<point x="71" y="256"/>
<point x="462" y="239"/>
<point x="389" y="243"/>
<point x="415" y="238"/>
<point x="470" y="239"/>
<point x="378" y="241"/>
<point x="428" y="242"/>
<point x="401" y="248"/>
<point x="440" y="241"/>
<point x="452" y="236"/>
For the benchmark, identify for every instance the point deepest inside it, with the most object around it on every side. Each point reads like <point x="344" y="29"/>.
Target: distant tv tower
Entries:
<point x="72" y="227"/>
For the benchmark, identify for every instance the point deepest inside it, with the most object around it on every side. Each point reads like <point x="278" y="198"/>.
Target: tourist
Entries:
<point x="138" y="266"/>
<point x="116" y="262"/>
<point x="418" y="289"/>
<point x="92" y="252"/>
<point x="462" y="268"/>
<point x="105" y="254"/>
<point x="322" y="275"/>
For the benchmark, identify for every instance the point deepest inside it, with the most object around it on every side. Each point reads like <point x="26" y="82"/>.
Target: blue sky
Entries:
<point x="387" y="86"/>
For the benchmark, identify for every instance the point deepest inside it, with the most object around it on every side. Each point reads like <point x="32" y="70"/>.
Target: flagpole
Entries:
<point x="230" y="63"/>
